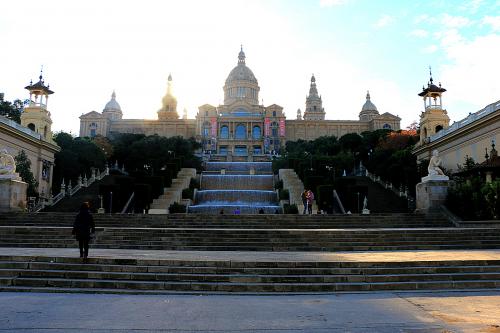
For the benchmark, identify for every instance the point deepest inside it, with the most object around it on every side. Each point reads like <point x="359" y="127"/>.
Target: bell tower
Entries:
<point x="434" y="118"/>
<point x="314" y="104"/>
<point x="36" y="115"/>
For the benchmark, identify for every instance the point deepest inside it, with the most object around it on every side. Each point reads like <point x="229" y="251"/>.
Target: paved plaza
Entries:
<point x="380" y="312"/>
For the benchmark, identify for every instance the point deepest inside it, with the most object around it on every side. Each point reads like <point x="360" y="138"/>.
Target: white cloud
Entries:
<point x="471" y="6"/>
<point x="430" y="49"/>
<point x="471" y="66"/>
<point x="384" y="21"/>
<point x="331" y="3"/>
<point x="493" y="21"/>
<point x="421" y="33"/>
<point x="455" y="21"/>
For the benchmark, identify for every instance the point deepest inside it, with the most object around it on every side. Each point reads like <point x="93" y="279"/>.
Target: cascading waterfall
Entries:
<point x="247" y="187"/>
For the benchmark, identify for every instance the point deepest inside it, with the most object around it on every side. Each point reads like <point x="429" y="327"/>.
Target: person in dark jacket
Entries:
<point x="82" y="228"/>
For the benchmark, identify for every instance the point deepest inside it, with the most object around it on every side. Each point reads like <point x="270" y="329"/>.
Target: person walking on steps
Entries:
<point x="82" y="229"/>
<point x="310" y="199"/>
<point x="304" y="200"/>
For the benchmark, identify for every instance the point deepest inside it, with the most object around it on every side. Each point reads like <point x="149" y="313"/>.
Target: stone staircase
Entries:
<point x="235" y="271"/>
<point x="215" y="239"/>
<point x="173" y="193"/>
<point x="295" y="187"/>
<point x="153" y="276"/>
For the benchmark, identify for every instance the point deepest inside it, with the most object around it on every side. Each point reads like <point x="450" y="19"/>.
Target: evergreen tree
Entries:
<point x="11" y="110"/>
<point x="23" y="167"/>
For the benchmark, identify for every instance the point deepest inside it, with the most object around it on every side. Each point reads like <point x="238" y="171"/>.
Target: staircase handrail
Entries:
<point x="125" y="208"/>
<point x="373" y="177"/>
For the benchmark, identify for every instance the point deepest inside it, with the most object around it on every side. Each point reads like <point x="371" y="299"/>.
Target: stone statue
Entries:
<point x="7" y="163"/>
<point x="365" y="203"/>
<point x="434" y="164"/>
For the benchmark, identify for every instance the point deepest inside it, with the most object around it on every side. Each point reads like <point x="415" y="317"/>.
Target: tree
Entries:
<point x="76" y="158"/>
<point x="12" y="110"/>
<point x="351" y="142"/>
<point x="23" y="167"/>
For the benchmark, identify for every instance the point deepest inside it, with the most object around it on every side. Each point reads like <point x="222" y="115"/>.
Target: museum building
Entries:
<point x="241" y="126"/>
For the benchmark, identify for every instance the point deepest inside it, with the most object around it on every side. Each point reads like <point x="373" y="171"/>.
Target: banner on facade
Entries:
<point x="214" y="127"/>
<point x="282" y="127"/>
<point x="267" y="125"/>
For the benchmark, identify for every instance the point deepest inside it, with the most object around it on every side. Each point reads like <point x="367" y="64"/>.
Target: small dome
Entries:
<point x="368" y="106"/>
<point x="112" y="105"/>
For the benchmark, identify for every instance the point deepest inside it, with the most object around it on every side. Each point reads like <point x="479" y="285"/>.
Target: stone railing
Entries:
<point x="400" y="191"/>
<point x="69" y="190"/>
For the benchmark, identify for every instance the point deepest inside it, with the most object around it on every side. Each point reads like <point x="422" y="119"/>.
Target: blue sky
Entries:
<point x="90" y="48"/>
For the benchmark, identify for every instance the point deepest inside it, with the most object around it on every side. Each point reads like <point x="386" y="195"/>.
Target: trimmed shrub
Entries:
<point x="176" y="208"/>
<point x="188" y="193"/>
<point x="290" y="209"/>
<point x="284" y="194"/>
<point x="278" y="185"/>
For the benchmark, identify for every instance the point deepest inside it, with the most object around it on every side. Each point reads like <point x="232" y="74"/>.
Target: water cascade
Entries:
<point x="244" y="186"/>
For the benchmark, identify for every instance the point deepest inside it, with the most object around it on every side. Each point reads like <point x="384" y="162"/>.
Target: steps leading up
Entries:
<point x="106" y="275"/>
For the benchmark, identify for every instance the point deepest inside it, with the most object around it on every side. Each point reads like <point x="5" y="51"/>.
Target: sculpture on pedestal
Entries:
<point x="434" y="167"/>
<point x="7" y="163"/>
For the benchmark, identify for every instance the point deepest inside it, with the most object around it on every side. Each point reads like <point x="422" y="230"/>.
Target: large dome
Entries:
<point x="241" y="84"/>
<point x="241" y="72"/>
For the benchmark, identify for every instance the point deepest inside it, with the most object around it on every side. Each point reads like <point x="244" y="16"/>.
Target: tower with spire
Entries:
<point x="168" y="109"/>
<point x="36" y="116"/>
<point x="314" y="104"/>
<point x="434" y="118"/>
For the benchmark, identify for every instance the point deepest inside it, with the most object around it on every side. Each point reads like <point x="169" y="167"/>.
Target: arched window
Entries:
<point x="31" y="126"/>
<point x="224" y="132"/>
<point x="256" y="132"/>
<point x="241" y="132"/>
<point x="274" y="113"/>
<point x="274" y="129"/>
<point x="93" y="129"/>
<point x="386" y="126"/>
<point x="438" y="128"/>
<point x="425" y="132"/>
<point x="314" y="107"/>
<point x="45" y="131"/>
<point x="206" y="129"/>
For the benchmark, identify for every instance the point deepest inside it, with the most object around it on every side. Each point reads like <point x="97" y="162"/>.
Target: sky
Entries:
<point x="90" y="48"/>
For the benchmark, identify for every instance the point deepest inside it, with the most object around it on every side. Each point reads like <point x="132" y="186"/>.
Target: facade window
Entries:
<point x="93" y="129"/>
<point x="274" y="129"/>
<point x="274" y="113"/>
<point x="224" y="132"/>
<point x="241" y="132"/>
<point x="31" y="126"/>
<point x="206" y="129"/>
<point x="386" y="126"/>
<point x="206" y="113"/>
<point x="240" y="150"/>
<point x="257" y="150"/>
<point x="314" y="107"/>
<point x="223" y="150"/>
<point x="256" y="132"/>
<point x="438" y="128"/>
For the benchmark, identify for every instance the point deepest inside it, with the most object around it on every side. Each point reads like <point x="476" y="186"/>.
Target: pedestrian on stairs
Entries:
<point x="83" y="228"/>
<point x="304" y="200"/>
<point x="310" y="199"/>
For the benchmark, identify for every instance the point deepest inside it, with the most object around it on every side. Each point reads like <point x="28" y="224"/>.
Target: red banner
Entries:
<point x="267" y="126"/>
<point x="214" y="127"/>
<point x="282" y="127"/>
